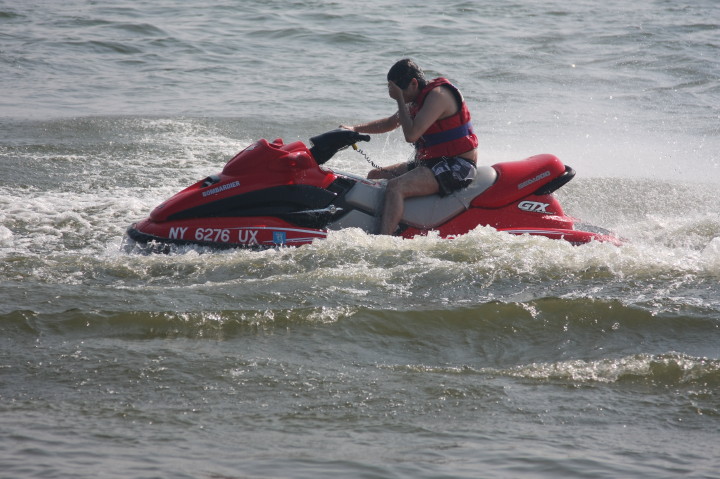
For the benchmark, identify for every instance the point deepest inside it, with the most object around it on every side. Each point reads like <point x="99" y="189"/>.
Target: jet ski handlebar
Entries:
<point x="327" y="144"/>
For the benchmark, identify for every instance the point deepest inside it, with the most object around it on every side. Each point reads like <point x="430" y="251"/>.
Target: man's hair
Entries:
<point x="404" y="71"/>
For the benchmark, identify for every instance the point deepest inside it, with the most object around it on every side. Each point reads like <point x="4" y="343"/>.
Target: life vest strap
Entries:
<point x="432" y="139"/>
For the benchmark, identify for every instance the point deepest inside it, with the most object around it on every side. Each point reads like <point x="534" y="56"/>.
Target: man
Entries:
<point x="435" y="118"/>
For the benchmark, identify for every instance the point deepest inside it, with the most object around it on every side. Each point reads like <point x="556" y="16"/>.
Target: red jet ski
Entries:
<point x="275" y="194"/>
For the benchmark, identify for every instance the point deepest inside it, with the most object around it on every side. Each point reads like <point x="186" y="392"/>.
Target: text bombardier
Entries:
<point x="222" y="188"/>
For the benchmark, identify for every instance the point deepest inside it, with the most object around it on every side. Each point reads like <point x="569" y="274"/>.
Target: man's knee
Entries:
<point x="394" y="186"/>
<point x="375" y="174"/>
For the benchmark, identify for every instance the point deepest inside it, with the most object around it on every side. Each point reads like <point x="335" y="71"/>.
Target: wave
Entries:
<point x="354" y="269"/>
<point x="670" y="369"/>
<point x="664" y="370"/>
<point x="573" y="319"/>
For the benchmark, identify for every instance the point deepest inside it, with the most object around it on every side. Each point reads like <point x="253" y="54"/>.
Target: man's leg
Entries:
<point x="419" y="181"/>
<point x="388" y="172"/>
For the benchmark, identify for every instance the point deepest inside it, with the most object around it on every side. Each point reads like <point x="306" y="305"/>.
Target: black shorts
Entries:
<point x="452" y="173"/>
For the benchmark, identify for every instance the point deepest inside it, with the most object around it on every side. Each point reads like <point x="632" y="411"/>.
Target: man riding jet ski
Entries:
<point x="273" y="194"/>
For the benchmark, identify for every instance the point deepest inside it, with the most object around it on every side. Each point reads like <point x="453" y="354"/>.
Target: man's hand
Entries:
<point x="394" y="91"/>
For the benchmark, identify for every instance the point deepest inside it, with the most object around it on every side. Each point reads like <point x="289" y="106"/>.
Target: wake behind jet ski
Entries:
<point x="275" y="194"/>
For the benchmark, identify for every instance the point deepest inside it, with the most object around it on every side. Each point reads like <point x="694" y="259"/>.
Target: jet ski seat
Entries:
<point x="425" y="211"/>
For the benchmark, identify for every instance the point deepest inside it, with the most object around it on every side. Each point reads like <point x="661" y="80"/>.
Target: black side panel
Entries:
<point x="286" y="201"/>
<point x="341" y="186"/>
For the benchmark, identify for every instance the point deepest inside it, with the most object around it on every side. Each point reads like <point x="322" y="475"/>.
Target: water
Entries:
<point x="358" y="356"/>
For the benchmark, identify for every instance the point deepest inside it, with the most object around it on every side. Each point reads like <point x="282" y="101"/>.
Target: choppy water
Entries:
<point x="486" y="356"/>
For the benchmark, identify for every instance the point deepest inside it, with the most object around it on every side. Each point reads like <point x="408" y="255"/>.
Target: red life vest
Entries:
<point x="451" y="136"/>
